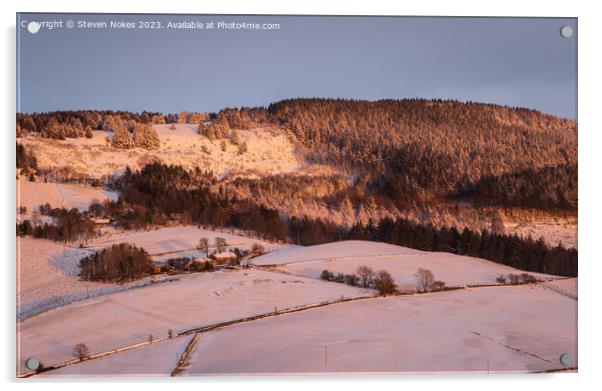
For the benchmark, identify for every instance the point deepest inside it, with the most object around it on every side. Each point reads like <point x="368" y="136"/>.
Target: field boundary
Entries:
<point x="196" y="330"/>
<point x="185" y="356"/>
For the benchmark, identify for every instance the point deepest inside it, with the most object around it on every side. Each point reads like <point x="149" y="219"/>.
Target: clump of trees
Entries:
<point x="257" y="249"/>
<point x="69" y="225"/>
<point x="425" y="281"/>
<point x="117" y="263"/>
<point x="24" y="228"/>
<point x="203" y="245"/>
<point x="516" y="279"/>
<point x="158" y="192"/>
<point x="26" y="160"/>
<point x="550" y="188"/>
<point x="221" y="244"/>
<point x="382" y="280"/>
<point x="145" y="136"/>
<point x="122" y="139"/>
<point x="80" y="123"/>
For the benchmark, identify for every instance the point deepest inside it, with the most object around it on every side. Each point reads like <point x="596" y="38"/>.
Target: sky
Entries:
<point x="523" y="62"/>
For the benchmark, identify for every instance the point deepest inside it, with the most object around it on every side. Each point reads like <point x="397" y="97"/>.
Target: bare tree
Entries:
<point x="366" y="275"/>
<point x="220" y="244"/>
<point x="424" y="279"/>
<point x="203" y="245"/>
<point x="384" y="283"/>
<point x="81" y="351"/>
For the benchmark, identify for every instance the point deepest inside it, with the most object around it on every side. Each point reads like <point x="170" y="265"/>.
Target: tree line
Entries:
<point x="511" y="250"/>
<point x="414" y="152"/>
<point x="171" y="189"/>
<point x="548" y="188"/>
<point x="69" y="225"/>
<point x="160" y="192"/>
<point x="116" y="263"/>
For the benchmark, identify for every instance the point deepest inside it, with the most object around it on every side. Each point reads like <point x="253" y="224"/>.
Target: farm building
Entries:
<point x="101" y="221"/>
<point x="225" y="258"/>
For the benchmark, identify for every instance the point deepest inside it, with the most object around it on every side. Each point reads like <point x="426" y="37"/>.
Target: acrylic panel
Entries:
<point x="278" y="194"/>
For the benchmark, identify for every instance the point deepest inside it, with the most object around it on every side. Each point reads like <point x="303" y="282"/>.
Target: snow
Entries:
<point x="171" y="242"/>
<point x="121" y="319"/>
<point x="225" y="255"/>
<point x="48" y="271"/>
<point x="565" y="286"/>
<point x="268" y="153"/>
<point x="334" y="251"/>
<point x="555" y="231"/>
<point x="46" y="277"/>
<point x="345" y="257"/>
<point x="33" y="194"/>
<point x="498" y="329"/>
<point x="157" y="359"/>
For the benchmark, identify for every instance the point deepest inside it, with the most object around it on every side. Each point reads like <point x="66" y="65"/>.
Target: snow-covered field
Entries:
<point x="48" y="271"/>
<point x="45" y="275"/>
<point x="172" y="242"/>
<point x="345" y="250"/>
<point x="120" y="319"/>
<point x="33" y="194"/>
<point x="498" y="329"/>
<point x="345" y="257"/>
<point x="565" y="286"/>
<point x="157" y="359"/>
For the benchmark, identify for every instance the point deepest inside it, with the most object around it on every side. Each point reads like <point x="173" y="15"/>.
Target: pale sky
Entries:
<point x="511" y="61"/>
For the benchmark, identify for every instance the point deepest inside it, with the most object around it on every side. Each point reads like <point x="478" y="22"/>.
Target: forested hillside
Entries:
<point x="429" y="149"/>
<point x="445" y="163"/>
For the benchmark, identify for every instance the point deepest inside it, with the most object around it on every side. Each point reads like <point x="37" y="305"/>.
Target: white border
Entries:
<point x="590" y="195"/>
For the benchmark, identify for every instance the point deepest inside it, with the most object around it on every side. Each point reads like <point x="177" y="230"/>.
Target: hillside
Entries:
<point x="91" y="157"/>
<point x="345" y="162"/>
<point x="33" y="194"/>
<point x="304" y="236"/>
<point x="347" y="256"/>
